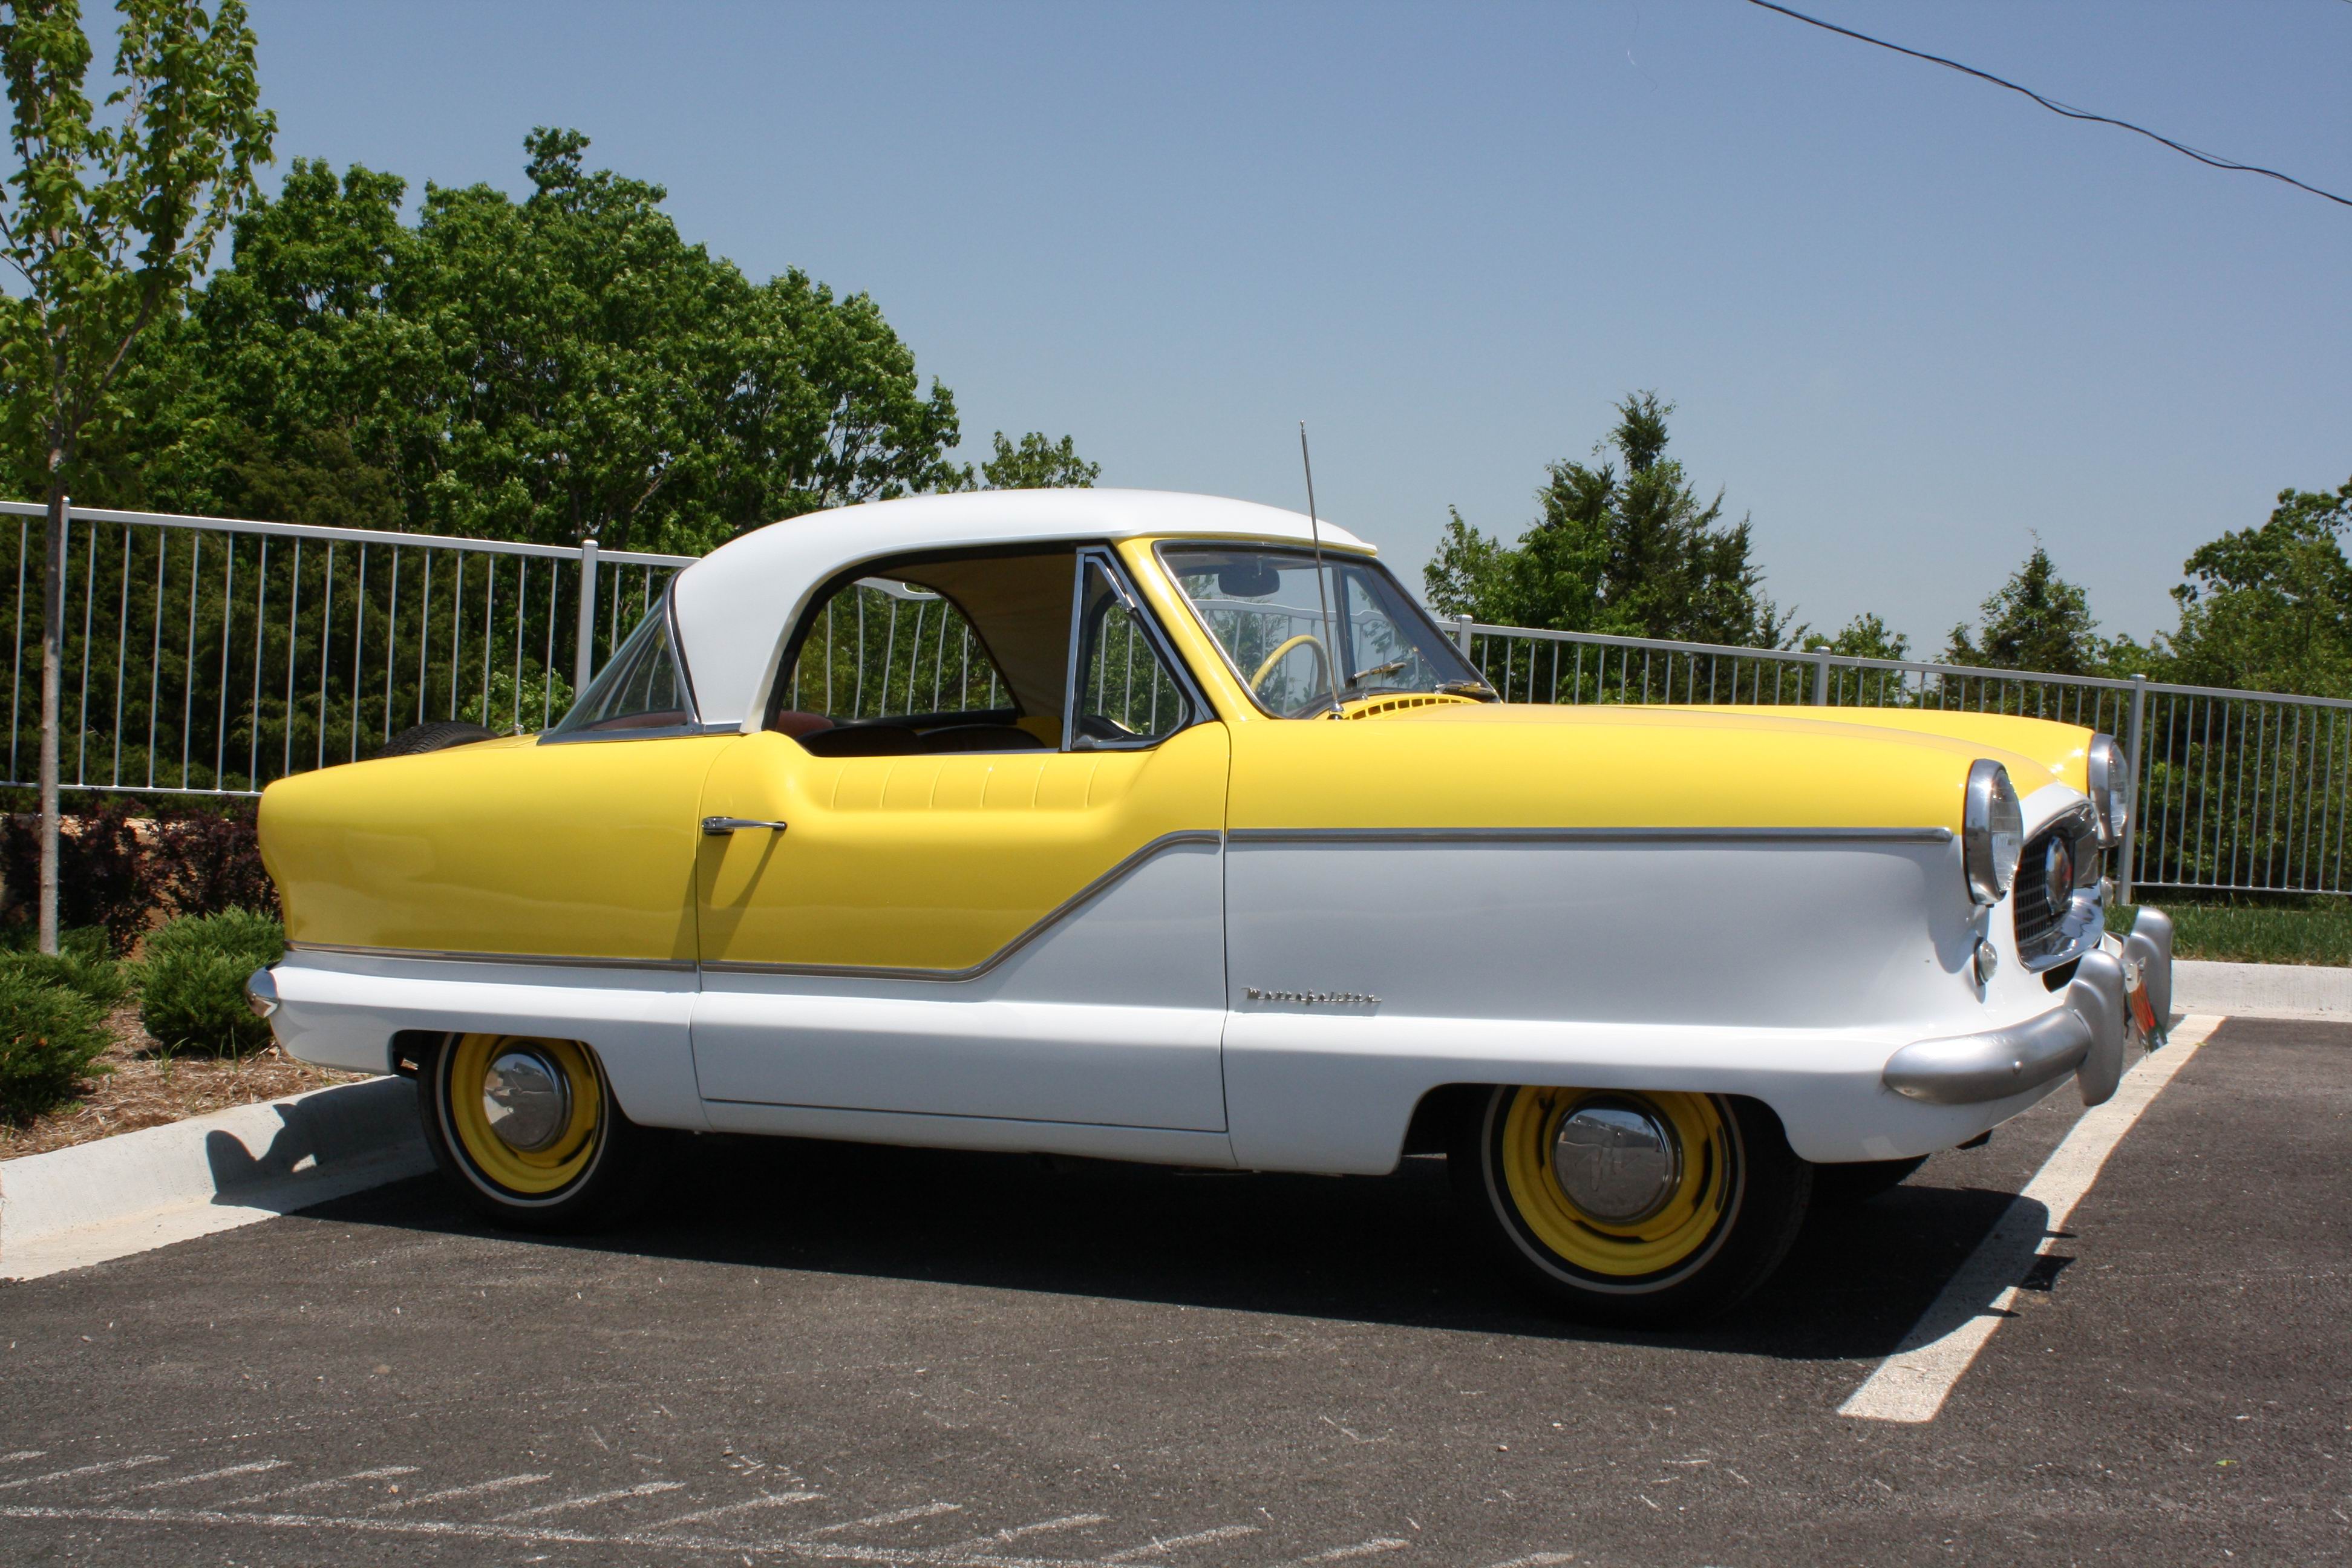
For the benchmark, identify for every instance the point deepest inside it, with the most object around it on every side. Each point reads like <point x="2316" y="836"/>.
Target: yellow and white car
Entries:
<point x="1165" y="845"/>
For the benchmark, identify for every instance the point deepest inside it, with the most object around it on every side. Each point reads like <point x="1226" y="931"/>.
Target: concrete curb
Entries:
<point x="139" y="1190"/>
<point x="2261" y="990"/>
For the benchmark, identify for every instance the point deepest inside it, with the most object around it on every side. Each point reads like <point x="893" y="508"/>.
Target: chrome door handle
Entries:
<point x="719" y="826"/>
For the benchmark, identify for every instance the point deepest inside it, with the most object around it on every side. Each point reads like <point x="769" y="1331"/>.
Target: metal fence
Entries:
<point x="2231" y="791"/>
<point x="207" y="655"/>
<point x="212" y="654"/>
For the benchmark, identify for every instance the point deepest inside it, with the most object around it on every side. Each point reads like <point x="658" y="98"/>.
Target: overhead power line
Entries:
<point x="2054" y="106"/>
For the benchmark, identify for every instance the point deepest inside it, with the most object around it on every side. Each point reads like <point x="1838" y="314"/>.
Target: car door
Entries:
<point x="964" y="886"/>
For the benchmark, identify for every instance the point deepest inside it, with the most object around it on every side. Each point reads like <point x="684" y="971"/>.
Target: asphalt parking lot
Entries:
<point x="831" y="1353"/>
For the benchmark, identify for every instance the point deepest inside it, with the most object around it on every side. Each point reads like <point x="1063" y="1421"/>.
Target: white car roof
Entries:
<point x="736" y="605"/>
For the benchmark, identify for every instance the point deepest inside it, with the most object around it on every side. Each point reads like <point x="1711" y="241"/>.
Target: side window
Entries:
<point x="1126" y="694"/>
<point x="964" y="653"/>
<point x="885" y="650"/>
<point x="643" y="687"/>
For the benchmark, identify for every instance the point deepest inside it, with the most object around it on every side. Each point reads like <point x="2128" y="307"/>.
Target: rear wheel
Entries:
<point x="1647" y="1209"/>
<point x="528" y="1131"/>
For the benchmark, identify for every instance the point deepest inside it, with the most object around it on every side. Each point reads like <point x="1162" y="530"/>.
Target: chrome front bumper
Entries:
<point x="2122" y="991"/>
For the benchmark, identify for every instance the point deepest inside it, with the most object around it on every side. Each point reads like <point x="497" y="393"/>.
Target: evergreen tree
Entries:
<point x="2037" y="621"/>
<point x="1634" y="552"/>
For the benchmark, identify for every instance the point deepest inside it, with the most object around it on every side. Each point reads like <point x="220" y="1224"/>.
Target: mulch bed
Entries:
<point x="151" y="1086"/>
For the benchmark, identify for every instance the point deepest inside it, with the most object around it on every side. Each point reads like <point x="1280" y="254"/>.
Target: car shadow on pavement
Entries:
<point x="1372" y="1250"/>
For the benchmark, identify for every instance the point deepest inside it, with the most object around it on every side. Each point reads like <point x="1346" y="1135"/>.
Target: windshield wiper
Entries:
<point x="1478" y="689"/>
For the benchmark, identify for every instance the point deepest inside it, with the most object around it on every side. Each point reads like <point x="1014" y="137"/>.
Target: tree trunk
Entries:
<point x="53" y="649"/>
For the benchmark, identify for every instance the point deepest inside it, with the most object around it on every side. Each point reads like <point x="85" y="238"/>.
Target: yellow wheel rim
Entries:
<point x="1692" y="1219"/>
<point x="466" y="1062"/>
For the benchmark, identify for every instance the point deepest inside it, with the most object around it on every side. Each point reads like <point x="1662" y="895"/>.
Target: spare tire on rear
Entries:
<point x="438" y="736"/>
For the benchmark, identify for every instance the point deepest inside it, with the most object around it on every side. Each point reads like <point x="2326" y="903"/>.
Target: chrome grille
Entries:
<point x="2036" y="919"/>
<point x="2049" y="933"/>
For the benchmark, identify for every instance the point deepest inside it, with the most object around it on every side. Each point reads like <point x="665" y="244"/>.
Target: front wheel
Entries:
<point x="527" y="1132"/>
<point x="1646" y="1209"/>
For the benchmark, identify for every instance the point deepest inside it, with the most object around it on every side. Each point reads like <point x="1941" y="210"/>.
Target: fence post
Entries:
<point x="1462" y="633"/>
<point x="2131" y="791"/>
<point x="584" y="660"/>
<point x="53" y="658"/>
<point x="1821" y="679"/>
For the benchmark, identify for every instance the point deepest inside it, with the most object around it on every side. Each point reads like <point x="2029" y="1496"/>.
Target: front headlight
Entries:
<point x="1993" y="831"/>
<point x="2109" y="791"/>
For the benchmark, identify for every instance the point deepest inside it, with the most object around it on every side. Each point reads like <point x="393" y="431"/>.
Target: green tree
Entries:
<point x="1635" y="553"/>
<point x="2270" y="608"/>
<point x="107" y="219"/>
<point x="1037" y="464"/>
<point x="2037" y="621"/>
<point x="1865" y="636"/>
<point x="562" y="367"/>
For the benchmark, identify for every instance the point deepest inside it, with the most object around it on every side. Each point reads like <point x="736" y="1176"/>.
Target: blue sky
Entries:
<point x="1910" y="321"/>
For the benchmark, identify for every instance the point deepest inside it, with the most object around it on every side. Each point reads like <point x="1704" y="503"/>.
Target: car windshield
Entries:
<point x="1261" y="603"/>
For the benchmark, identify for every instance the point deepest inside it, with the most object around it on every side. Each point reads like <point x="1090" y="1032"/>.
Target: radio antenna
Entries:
<point x="1322" y="591"/>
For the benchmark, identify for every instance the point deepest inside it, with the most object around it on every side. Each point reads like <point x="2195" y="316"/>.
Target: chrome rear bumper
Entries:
<point x="2115" y="995"/>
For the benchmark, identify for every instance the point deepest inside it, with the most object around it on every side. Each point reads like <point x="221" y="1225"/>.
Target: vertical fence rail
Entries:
<point x="212" y="654"/>
<point x="2228" y="791"/>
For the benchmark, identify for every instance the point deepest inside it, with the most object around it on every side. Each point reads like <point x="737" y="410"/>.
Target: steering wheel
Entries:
<point x="1306" y="639"/>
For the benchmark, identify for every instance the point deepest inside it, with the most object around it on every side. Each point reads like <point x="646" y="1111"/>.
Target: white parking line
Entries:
<point x="985" y="1544"/>
<point x="478" y="1488"/>
<point x="566" y="1505"/>
<point x="1911" y="1384"/>
<point x="896" y="1516"/>
<point x="255" y="1468"/>
<point x="102" y="1467"/>
<point x="306" y="1488"/>
<point x="1178" y="1542"/>
<point x="1346" y="1553"/>
<point x="766" y="1499"/>
<point x="700" y="1546"/>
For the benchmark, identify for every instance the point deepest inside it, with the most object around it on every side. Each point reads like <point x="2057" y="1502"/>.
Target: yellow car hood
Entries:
<point x="1454" y="765"/>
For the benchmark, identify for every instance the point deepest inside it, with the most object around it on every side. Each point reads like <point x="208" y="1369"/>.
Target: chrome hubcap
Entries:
<point x="527" y="1100"/>
<point x="1617" y="1160"/>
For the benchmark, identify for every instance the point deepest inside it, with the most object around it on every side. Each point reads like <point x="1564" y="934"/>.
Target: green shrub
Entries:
<point x="192" y="992"/>
<point x="92" y="976"/>
<point x="49" y="1037"/>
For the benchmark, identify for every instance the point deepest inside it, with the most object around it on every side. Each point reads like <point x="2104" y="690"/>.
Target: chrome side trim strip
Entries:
<point x="450" y="956"/>
<point x="1590" y="835"/>
<point x="1052" y="918"/>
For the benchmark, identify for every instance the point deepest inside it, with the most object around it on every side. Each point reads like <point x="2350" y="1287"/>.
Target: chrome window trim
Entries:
<point x="671" y="732"/>
<point x="1196" y="706"/>
<point x="667" y="610"/>
<point x="1158" y="555"/>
